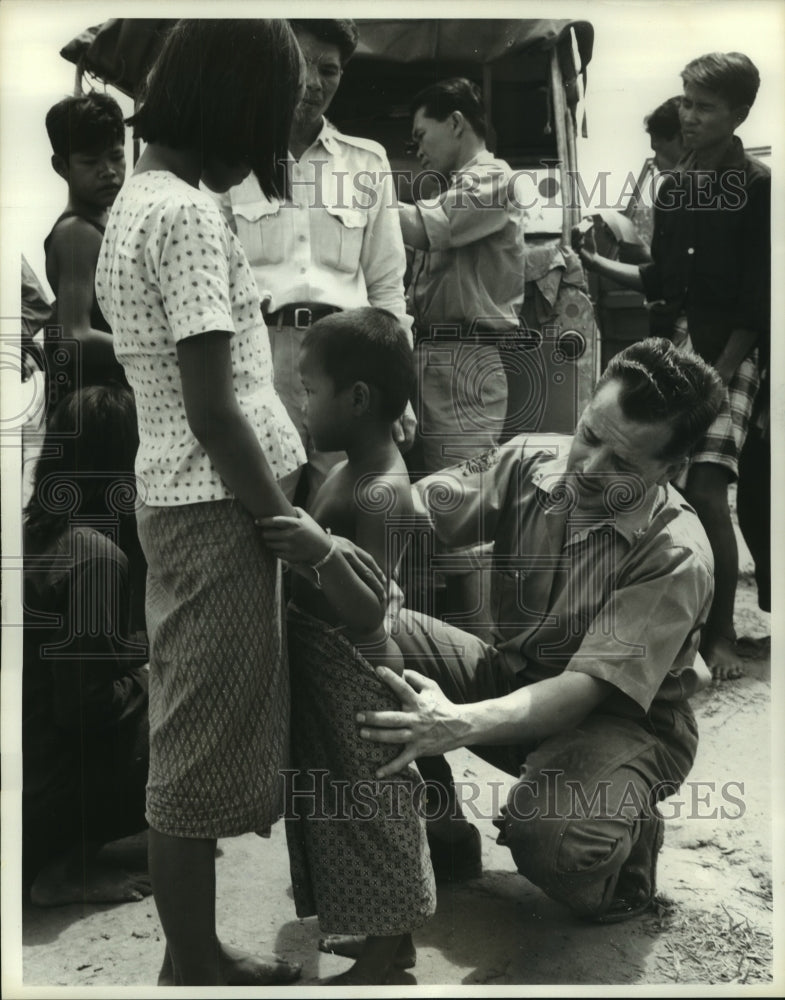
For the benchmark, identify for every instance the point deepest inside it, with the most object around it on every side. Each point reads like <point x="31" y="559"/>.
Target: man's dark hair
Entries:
<point x="366" y="345"/>
<point x="341" y="32"/>
<point x="456" y="94"/>
<point x="663" y="122"/>
<point x="226" y="88"/>
<point x="659" y="382"/>
<point x="89" y="123"/>
<point x="732" y="75"/>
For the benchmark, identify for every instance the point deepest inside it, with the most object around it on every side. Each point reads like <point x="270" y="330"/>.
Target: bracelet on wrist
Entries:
<point x="325" y="558"/>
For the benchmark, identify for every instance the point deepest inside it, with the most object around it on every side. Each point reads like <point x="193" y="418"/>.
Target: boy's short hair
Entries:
<point x="663" y="122"/>
<point x="226" y="88"/>
<point x="732" y="75"/>
<point x="366" y="345"/>
<point x="660" y="382"/>
<point x="456" y="94"/>
<point x="82" y="124"/>
<point x="339" y="31"/>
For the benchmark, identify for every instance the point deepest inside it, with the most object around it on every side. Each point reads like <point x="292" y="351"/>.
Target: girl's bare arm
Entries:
<point x="219" y="425"/>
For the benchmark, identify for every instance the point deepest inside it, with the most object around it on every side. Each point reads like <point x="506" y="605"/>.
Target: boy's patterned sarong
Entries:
<point x="358" y="854"/>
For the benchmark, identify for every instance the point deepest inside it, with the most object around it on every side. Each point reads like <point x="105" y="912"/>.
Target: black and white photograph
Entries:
<point x="387" y="418"/>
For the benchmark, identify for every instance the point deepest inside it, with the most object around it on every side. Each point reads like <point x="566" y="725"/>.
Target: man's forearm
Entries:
<point x="623" y="274"/>
<point x="414" y="234"/>
<point x="531" y="713"/>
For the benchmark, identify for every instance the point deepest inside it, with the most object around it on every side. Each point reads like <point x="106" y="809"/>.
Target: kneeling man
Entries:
<point x="602" y="580"/>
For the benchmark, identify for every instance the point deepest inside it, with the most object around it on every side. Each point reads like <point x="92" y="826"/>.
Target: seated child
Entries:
<point x="365" y="870"/>
<point x="84" y="683"/>
<point x="87" y="135"/>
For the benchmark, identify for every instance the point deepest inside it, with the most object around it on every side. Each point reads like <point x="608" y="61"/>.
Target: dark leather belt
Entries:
<point x="477" y="334"/>
<point x="300" y="315"/>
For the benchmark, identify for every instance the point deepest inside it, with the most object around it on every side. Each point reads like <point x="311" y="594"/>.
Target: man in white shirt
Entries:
<point x="337" y="244"/>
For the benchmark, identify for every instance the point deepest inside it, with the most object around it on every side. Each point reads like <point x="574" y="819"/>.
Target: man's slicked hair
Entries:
<point x="660" y="382"/>
<point x="663" y="122"/>
<point x="340" y="31"/>
<point x="732" y="75"/>
<point x="88" y="123"/>
<point x="456" y="94"/>
<point x="227" y="89"/>
<point x="366" y="345"/>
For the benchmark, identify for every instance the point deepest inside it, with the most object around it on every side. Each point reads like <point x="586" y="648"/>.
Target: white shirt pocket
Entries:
<point x="261" y="228"/>
<point x="339" y="240"/>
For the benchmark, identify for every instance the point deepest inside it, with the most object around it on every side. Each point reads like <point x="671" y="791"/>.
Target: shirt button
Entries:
<point x="302" y="239"/>
<point x="690" y="251"/>
<point x="302" y="270"/>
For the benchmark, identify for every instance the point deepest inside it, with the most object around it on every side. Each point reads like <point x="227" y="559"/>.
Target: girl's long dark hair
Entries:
<point x="226" y="88"/>
<point x="85" y="468"/>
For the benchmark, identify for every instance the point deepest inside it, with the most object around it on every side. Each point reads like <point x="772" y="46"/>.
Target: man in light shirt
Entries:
<point x="467" y="284"/>
<point x="337" y="244"/>
<point x="602" y="581"/>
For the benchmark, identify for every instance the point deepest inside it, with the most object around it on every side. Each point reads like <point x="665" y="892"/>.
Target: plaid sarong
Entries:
<point x="725" y="438"/>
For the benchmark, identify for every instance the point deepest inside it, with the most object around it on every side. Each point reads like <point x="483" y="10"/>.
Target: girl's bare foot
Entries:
<point x="374" y="963"/>
<point x="351" y="946"/>
<point x="239" y="968"/>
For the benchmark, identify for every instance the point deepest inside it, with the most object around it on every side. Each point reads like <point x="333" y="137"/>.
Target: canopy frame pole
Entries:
<point x="560" y="111"/>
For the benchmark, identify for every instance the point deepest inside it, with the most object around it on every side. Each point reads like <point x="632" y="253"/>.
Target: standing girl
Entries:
<point x="215" y="440"/>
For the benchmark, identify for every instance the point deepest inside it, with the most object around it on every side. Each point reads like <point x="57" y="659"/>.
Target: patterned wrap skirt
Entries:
<point x="219" y="689"/>
<point x="358" y="853"/>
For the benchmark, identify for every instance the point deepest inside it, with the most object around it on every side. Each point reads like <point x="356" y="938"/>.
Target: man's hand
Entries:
<point x="428" y="723"/>
<point x="583" y="243"/>
<point x="404" y="429"/>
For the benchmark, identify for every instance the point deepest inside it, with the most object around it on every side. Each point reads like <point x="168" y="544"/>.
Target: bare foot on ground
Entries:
<point x="375" y="962"/>
<point x="351" y="946"/>
<point x="66" y="880"/>
<point x="240" y="968"/>
<point x="723" y="660"/>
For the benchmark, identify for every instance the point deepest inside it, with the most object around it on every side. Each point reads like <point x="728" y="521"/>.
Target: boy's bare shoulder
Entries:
<point x="74" y="235"/>
<point x="386" y="491"/>
<point x="76" y="227"/>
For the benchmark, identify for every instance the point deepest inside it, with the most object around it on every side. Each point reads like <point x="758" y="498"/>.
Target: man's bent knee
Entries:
<point x="573" y="858"/>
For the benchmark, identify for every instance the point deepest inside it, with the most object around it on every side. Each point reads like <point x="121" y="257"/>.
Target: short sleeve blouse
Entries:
<point x="170" y="268"/>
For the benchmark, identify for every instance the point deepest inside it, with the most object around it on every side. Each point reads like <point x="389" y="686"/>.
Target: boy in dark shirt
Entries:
<point x="711" y="260"/>
<point x="87" y="135"/>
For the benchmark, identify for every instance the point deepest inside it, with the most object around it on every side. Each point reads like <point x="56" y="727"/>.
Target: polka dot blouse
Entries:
<point x="171" y="268"/>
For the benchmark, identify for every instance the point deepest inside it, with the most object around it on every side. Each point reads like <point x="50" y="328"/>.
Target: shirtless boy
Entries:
<point x="87" y="136"/>
<point x="357" y="372"/>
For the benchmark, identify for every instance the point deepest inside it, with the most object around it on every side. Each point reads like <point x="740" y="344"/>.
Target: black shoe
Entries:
<point x="637" y="883"/>
<point x="456" y="862"/>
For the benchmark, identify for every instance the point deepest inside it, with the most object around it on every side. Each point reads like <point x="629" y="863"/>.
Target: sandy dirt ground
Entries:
<point x="713" y="923"/>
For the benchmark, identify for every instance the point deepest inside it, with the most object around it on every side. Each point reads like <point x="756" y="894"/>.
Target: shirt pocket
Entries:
<point x="339" y="240"/>
<point x="260" y="229"/>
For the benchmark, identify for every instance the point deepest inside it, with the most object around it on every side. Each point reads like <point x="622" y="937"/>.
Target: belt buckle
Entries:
<point x="300" y="324"/>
